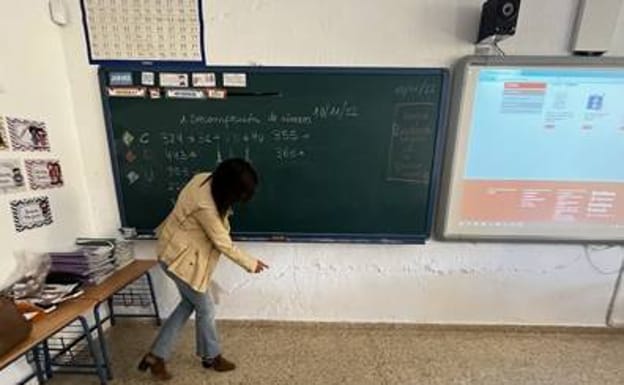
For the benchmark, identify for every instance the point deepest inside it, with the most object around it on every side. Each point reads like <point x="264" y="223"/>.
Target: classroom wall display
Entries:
<point x="344" y="154"/>
<point x="4" y="142"/>
<point x="44" y="173"/>
<point x="139" y="31"/>
<point x="28" y="135"/>
<point x="127" y="92"/>
<point x="11" y="176"/>
<point x="536" y="150"/>
<point x="31" y="213"/>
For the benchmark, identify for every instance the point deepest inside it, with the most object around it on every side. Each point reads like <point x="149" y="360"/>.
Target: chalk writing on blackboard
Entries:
<point x="338" y="111"/>
<point x="413" y="124"/>
<point x="295" y="119"/>
<point x="283" y="134"/>
<point x="225" y="120"/>
<point x="416" y="91"/>
<point x="289" y="135"/>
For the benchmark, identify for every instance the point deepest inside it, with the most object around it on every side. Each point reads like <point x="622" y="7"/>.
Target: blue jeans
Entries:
<point x="207" y="343"/>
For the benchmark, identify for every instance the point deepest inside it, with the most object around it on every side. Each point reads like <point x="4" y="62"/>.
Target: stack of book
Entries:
<point x="123" y="248"/>
<point x="87" y="265"/>
<point x="124" y="252"/>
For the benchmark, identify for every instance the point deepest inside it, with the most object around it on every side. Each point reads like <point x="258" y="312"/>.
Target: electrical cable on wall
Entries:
<point x="586" y="251"/>
<point x="616" y="290"/>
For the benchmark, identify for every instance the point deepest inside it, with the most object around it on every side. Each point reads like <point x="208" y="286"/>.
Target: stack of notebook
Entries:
<point x="87" y="265"/>
<point x="123" y="248"/>
<point x="124" y="252"/>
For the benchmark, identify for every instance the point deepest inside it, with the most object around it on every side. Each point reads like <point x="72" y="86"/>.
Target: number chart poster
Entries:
<point x="140" y="30"/>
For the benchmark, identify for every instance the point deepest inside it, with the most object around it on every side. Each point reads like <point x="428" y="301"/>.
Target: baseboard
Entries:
<point x="502" y="328"/>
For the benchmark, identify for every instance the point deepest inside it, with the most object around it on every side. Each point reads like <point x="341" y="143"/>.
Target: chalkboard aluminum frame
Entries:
<point x="297" y="237"/>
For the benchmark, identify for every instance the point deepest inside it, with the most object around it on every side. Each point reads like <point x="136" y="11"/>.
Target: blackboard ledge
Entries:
<point x="385" y="239"/>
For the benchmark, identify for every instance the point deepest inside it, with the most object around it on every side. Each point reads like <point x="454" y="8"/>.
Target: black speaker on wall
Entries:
<point x="498" y="20"/>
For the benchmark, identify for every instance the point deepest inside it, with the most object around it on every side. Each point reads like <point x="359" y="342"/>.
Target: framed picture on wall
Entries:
<point x="28" y="135"/>
<point x="4" y="143"/>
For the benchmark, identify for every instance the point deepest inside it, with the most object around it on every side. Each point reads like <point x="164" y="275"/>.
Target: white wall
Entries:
<point x="33" y="84"/>
<point x="438" y="283"/>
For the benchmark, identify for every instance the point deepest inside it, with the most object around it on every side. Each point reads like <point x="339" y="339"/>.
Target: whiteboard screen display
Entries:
<point x="538" y="154"/>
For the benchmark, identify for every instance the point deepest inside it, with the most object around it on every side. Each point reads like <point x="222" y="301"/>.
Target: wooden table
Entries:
<point x="103" y="293"/>
<point x="49" y="324"/>
<point x="120" y="279"/>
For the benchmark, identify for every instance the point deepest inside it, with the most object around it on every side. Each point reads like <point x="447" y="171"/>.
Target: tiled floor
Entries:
<point x="306" y="354"/>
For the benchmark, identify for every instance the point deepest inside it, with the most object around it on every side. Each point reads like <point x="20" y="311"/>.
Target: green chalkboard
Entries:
<point x="342" y="153"/>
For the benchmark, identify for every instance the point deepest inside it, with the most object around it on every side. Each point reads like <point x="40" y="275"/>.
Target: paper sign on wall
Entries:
<point x="11" y="176"/>
<point x="4" y="142"/>
<point x="120" y="79"/>
<point x="204" y="79"/>
<point x="44" y="173"/>
<point x="31" y="213"/>
<point x="217" y="93"/>
<point x="126" y="92"/>
<point x="185" y="94"/>
<point x="148" y="78"/>
<point x="173" y="80"/>
<point x="28" y="135"/>
<point x="234" y="80"/>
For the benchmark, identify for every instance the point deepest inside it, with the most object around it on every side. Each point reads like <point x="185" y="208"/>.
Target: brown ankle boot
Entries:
<point x="218" y="363"/>
<point x="156" y="366"/>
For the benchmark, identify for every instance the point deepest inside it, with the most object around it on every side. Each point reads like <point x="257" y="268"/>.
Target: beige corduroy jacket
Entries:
<point x="194" y="235"/>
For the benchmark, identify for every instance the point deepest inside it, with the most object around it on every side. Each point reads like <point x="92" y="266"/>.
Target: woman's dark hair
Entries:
<point x="233" y="181"/>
